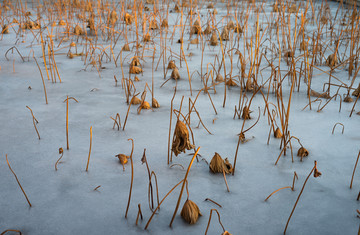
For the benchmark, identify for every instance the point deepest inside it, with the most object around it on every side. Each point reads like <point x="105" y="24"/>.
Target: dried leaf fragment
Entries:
<point x="135" y="70"/>
<point x="190" y="212"/>
<point x="181" y="141"/>
<point x="171" y="65"/>
<point x="123" y="159"/>
<point x="246" y="113"/>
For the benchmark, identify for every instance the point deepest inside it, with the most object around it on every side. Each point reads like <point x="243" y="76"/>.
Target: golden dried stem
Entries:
<point x="67" y="119"/>
<point x="88" y="161"/>
<point x="97" y="187"/>
<point x="171" y="111"/>
<point x="210" y="200"/>
<point x="297" y="200"/>
<point x="182" y="188"/>
<point x="227" y="186"/>
<point x="139" y="214"/>
<point x="127" y="113"/>
<point x="132" y="176"/>
<point x="27" y="199"/>
<point x="154" y="212"/>
<point x="34" y="120"/>
<point x="352" y="177"/>
<point x="58" y="160"/>
<point x="11" y="230"/>
<point x="277" y="191"/>
<point x="207" y="228"/>
<point x="338" y="123"/>
<point x="42" y="77"/>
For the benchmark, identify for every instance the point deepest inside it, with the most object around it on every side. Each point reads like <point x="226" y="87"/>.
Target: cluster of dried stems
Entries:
<point x="313" y="41"/>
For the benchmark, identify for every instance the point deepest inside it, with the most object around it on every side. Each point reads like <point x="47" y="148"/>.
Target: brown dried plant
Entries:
<point x="190" y="212"/>
<point x="181" y="141"/>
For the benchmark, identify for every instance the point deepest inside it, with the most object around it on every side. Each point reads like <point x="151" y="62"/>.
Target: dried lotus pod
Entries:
<point x="135" y="101"/>
<point x="246" y="113"/>
<point x="181" y="141"/>
<point x="135" y="70"/>
<point x="126" y="47"/>
<point x="171" y="65"/>
<point x="5" y="29"/>
<point x="214" y="39"/>
<point x="175" y="74"/>
<point x="194" y="41"/>
<point x="155" y="103"/>
<point x="164" y="23"/>
<point x="190" y="212"/>
<point x="317" y="173"/>
<point x="331" y="61"/>
<point x="147" y="38"/>
<point x="218" y="165"/>
<point x="302" y="152"/>
<point x="225" y="34"/>
<point x="128" y="18"/>
<point x="123" y="159"/>
<point x="277" y="133"/>
<point x="78" y="30"/>
<point x="357" y="91"/>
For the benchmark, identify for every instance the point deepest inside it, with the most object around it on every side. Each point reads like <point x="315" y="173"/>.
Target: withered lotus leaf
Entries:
<point x="181" y="141"/>
<point x="155" y="103"/>
<point x="217" y="165"/>
<point x="128" y="18"/>
<point x="145" y="105"/>
<point x="190" y="212"/>
<point x="78" y="30"/>
<point x="231" y="82"/>
<point x="226" y="233"/>
<point x="348" y="99"/>
<point x="303" y="152"/>
<point x="135" y="70"/>
<point x="194" y="41"/>
<point x="219" y="78"/>
<point x="135" y="101"/>
<point x="277" y="133"/>
<point x="246" y="113"/>
<point x="207" y="30"/>
<point x="122" y="158"/>
<point x="214" y="39"/>
<point x="171" y="65"/>
<point x="317" y="173"/>
<point x="175" y="74"/>
<point x="357" y="91"/>
<point x="164" y="23"/>
<point x="126" y="47"/>
<point x="225" y="34"/>
<point x="331" y="61"/>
